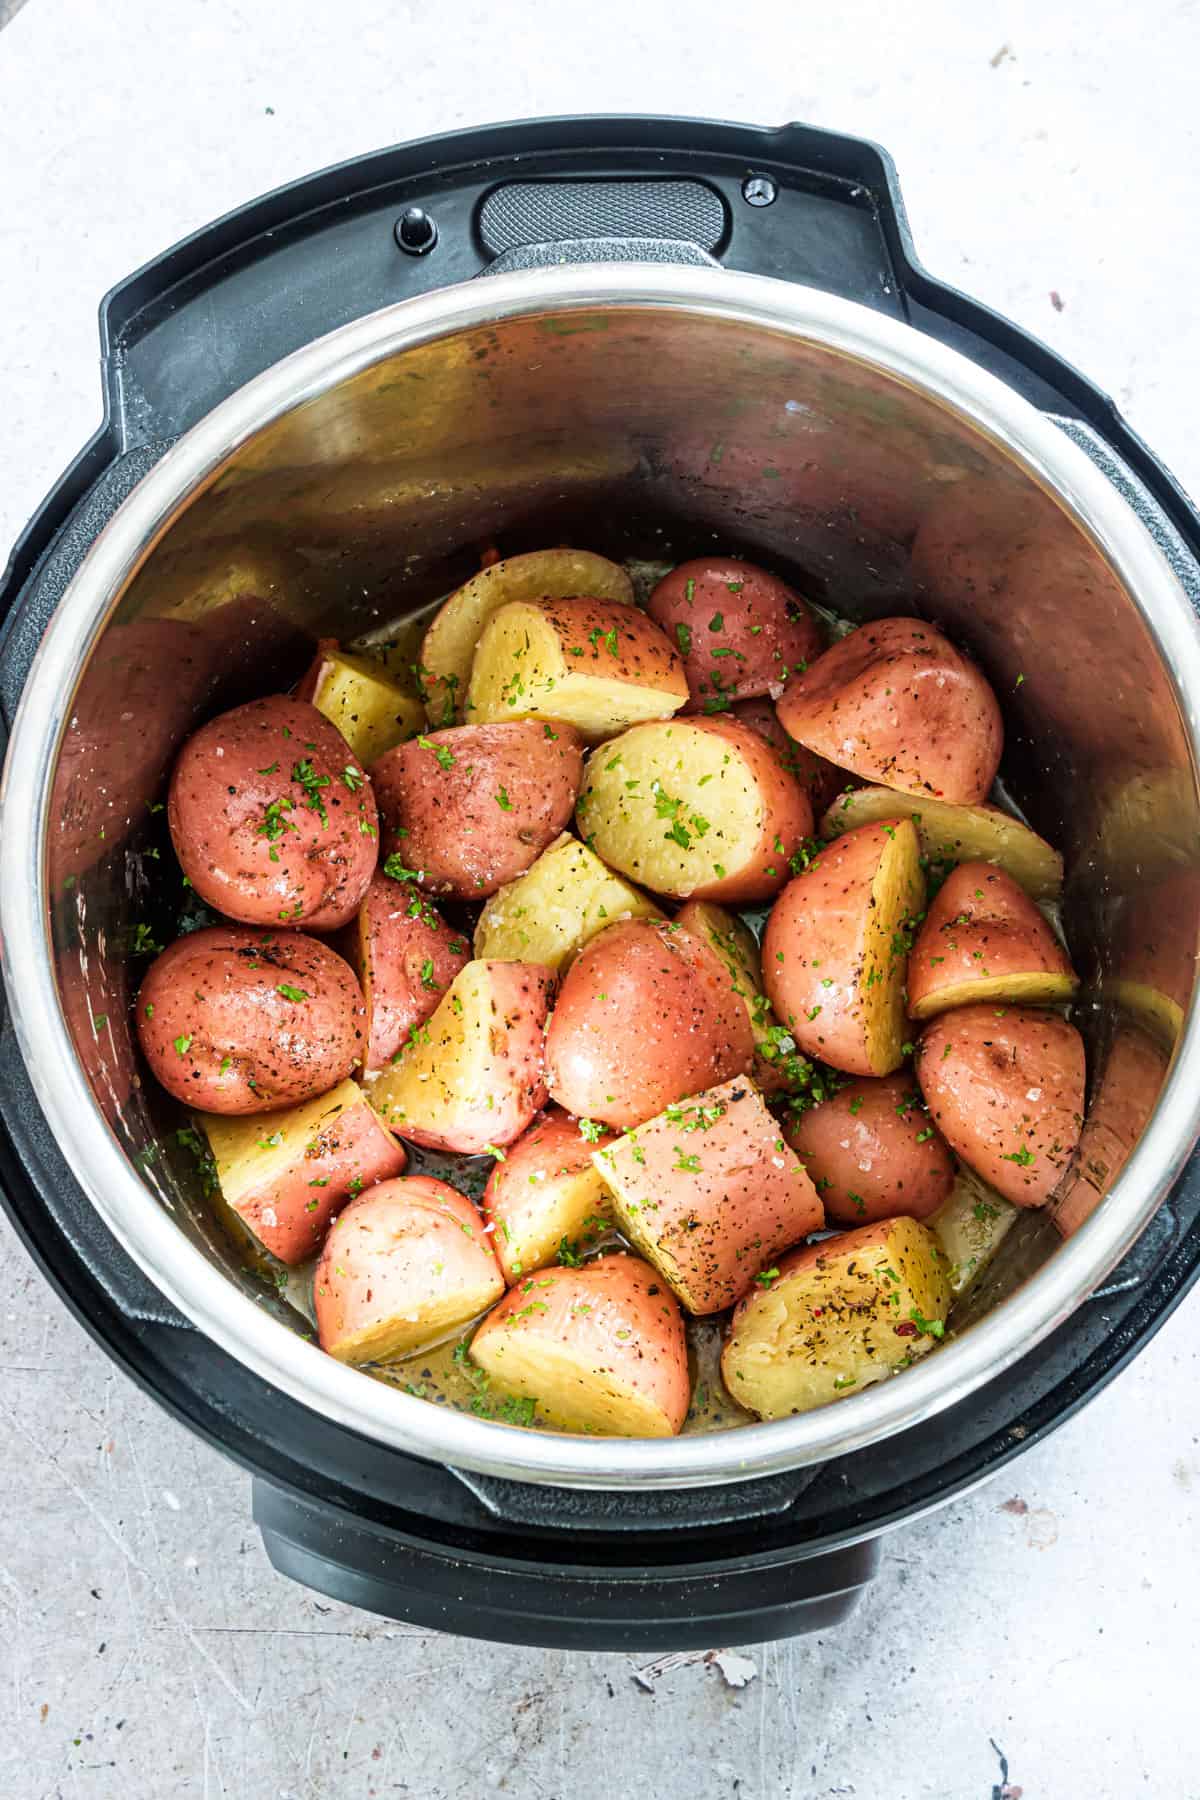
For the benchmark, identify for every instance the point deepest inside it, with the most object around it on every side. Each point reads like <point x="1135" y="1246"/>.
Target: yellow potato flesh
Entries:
<point x="521" y="671"/>
<point x="970" y="1225"/>
<point x="821" y="1333"/>
<point x="447" y="1065"/>
<point x="570" y="1392"/>
<point x="897" y="897"/>
<point x="1040" y="989"/>
<point x="432" y="1319"/>
<point x="656" y="786"/>
<point x="450" y="642"/>
<point x="371" y="712"/>
<point x="956" y="834"/>
<point x="548" y="914"/>
<point x="574" y="1207"/>
<point x="253" y="1152"/>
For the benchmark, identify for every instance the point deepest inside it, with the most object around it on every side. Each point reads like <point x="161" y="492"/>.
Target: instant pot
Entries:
<point x="652" y="337"/>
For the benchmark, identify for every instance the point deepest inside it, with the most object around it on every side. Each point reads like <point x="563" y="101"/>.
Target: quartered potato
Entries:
<point x="1004" y="1086"/>
<point x="471" y="1077"/>
<point x="550" y="912"/>
<point x="287" y="1173"/>
<point x="405" y="1264"/>
<point x="405" y="955"/>
<point x="546" y="1199"/>
<point x="895" y="702"/>
<point x="956" y="834"/>
<point x="837" y="1316"/>
<point x="694" y="808"/>
<point x="734" y="944"/>
<point x="595" y="664"/>
<point x="970" y="1225"/>
<point x="872" y="1152"/>
<point x="449" y="645"/>
<point x="836" y="947"/>
<point x="741" y="631"/>
<point x="599" y="1349"/>
<point x="710" y="1193"/>
<point x="370" y="710"/>
<point x="984" y="939"/>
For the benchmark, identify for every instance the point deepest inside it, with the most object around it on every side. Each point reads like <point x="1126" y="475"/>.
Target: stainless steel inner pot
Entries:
<point x="642" y="410"/>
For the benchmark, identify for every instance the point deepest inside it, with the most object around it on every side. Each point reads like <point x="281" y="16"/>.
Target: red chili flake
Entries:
<point x="907" y="1329"/>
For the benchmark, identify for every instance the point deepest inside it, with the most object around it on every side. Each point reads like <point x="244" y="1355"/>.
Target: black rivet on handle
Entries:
<point x="759" y="190"/>
<point x="416" y="231"/>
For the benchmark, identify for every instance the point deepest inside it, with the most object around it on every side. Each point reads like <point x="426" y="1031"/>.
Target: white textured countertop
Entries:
<point x="146" y="1649"/>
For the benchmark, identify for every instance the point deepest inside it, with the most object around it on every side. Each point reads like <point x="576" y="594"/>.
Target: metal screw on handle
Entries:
<point x="416" y="231"/>
<point x="759" y="190"/>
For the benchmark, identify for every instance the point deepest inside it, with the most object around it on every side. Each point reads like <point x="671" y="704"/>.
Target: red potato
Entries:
<point x="695" y="808"/>
<point x="710" y="1193"/>
<point x="236" y="1021"/>
<point x="873" y="1154"/>
<point x="272" y="819"/>
<point x="645" y="1015"/>
<point x="471" y="1078"/>
<point x="835" y="947"/>
<point x="822" y="781"/>
<point x="896" y="703"/>
<point x="547" y="1194"/>
<point x="984" y="939"/>
<point x="1004" y="1086"/>
<point x="406" y="1263"/>
<point x="1131" y="1079"/>
<point x="469" y="809"/>
<point x="406" y="956"/>
<point x="286" y="1174"/>
<point x="599" y="1349"/>
<point x="741" y="631"/>
<point x="371" y="711"/>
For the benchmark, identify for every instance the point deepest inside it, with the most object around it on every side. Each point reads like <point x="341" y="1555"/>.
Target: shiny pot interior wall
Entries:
<point x="644" y="432"/>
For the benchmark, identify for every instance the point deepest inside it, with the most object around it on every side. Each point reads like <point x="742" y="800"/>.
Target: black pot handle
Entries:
<point x="578" y="1605"/>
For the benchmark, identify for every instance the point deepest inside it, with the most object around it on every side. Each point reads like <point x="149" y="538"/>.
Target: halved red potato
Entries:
<point x="1004" y="1086"/>
<point x="694" y="807"/>
<point x="236" y="1021"/>
<point x="1131" y="1077"/>
<point x="956" y="834"/>
<point x="822" y="781"/>
<point x="272" y="818"/>
<point x="984" y="939"/>
<point x="895" y="702"/>
<point x="599" y="1349"/>
<point x="836" y="945"/>
<point x="287" y="1173"/>
<point x="406" y="956"/>
<point x="872" y="1153"/>
<point x="357" y="695"/>
<point x="645" y="1015"/>
<point x="405" y="1264"/>
<point x="546" y="1198"/>
<point x="740" y="631"/>
<point x="596" y="664"/>
<point x="450" y="642"/>
<point x="710" y="1193"/>
<point x="471" y="1077"/>
<point x="466" y="810"/>
<point x="836" y="1317"/>
<point x="550" y="912"/>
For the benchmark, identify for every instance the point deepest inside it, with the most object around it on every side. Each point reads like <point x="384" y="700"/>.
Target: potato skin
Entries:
<point x="404" y="1264"/>
<point x="710" y="1193"/>
<point x="1005" y="1086"/>
<point x="822" y="781"/>
<point x="217" y="994"/>
<point x="547" y="1188"/>
<point x="815" y="949"/>
<point x="398" y="934"/>
<point x="645" y="1015"/>
<point x="872" y="1152"/>
<point x="261" y="843"/>
<point x="982" y="935"/>
<point x="468" y="825"/>
<point x="762" y="629"/>
<point x="600" y="1347"/>
<point x="896" y="703"/>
